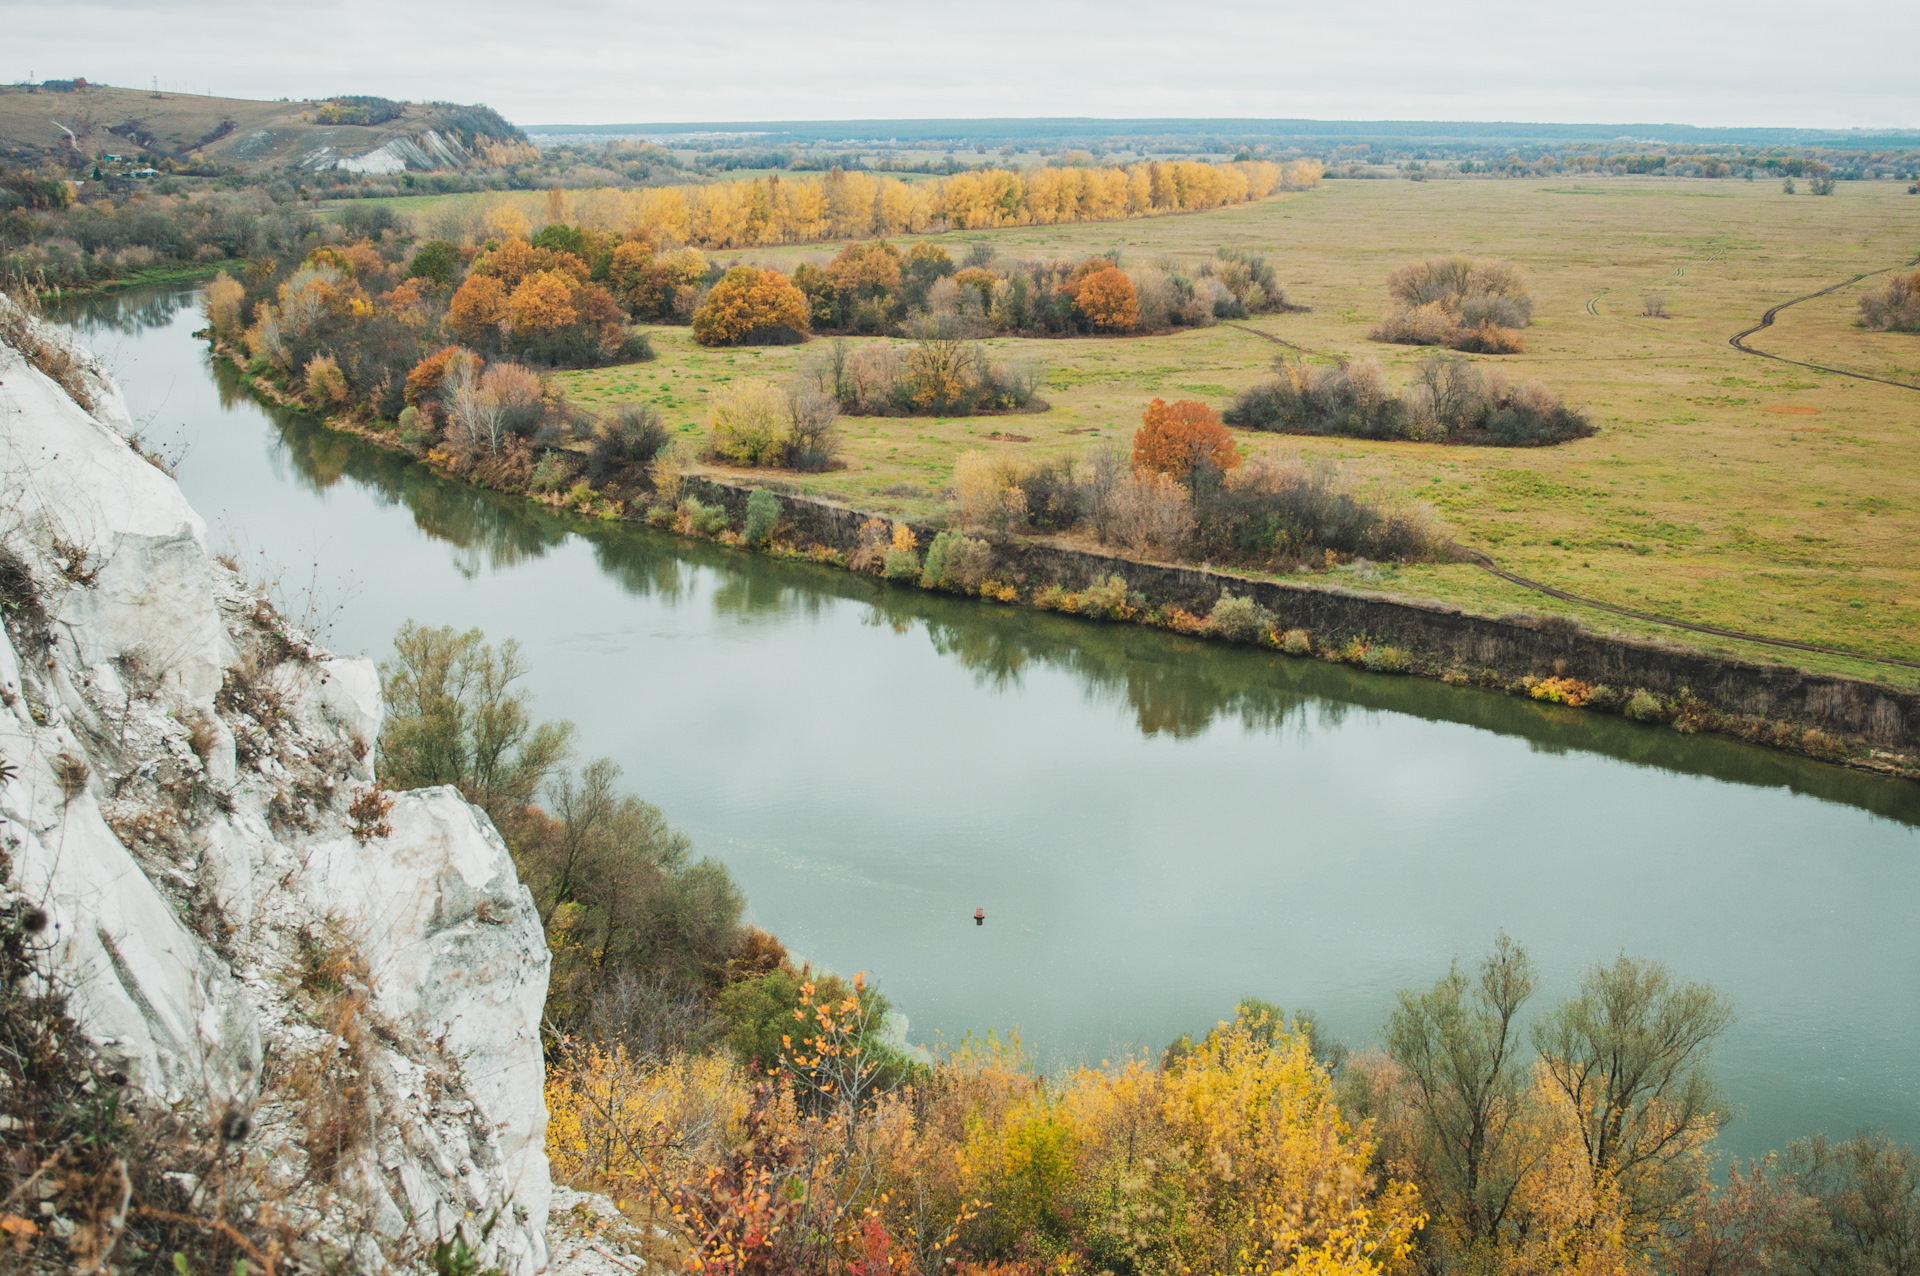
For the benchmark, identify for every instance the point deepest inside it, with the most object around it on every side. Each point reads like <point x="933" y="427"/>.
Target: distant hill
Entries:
<point x="1316" y="133"/>
<point x="80" y="122"/>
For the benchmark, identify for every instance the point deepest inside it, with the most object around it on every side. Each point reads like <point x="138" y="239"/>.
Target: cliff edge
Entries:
<point x="341" y="986"/>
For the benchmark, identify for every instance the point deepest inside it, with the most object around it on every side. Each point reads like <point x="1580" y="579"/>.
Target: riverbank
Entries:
<point x="1846" y="721"/>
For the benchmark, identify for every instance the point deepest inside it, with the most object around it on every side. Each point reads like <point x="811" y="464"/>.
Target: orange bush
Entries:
<point x="1107" y="299"/>
<point x="749" y="305"/>
<point x="424" y="381"/>
<point x="1176" y="437"/>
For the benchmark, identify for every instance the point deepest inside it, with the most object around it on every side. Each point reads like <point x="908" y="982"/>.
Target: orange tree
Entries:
<point x="1105" y="298"/>
<point x="751" y="307"/>
<point x="1176" y="438"/>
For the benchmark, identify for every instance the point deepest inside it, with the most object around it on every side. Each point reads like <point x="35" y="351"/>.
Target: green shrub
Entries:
<point x="763" y="515"/>
<point x="707" y="520"/>
<point x="1239" y="619"/>
<point x="1105" y="597"/>
<point x="1386" y="660"/>
<point x="1297" y="642"/>
<point x="901" y="564"/>
<point x="550" y="475"/>
<point x="1644" y="706"/>
<point x="957" y="562"/>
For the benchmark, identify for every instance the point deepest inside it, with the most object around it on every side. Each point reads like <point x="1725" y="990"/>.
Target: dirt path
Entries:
<point x="1739" y="339"/>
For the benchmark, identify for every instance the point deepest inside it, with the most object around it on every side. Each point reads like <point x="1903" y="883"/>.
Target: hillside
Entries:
<point x="366" y="135"/>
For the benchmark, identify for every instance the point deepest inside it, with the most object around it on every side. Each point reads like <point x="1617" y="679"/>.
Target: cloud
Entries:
<point x="1843" y="64"/>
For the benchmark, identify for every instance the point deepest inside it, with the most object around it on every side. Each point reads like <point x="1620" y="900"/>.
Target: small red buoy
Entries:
<point x="979" y="917"/>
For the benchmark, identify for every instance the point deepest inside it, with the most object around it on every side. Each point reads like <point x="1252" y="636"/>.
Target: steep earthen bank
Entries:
<point x="1847" y="721"/>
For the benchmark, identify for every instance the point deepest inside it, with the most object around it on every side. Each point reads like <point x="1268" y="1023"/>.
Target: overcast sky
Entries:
<point x="1841" y="63"/>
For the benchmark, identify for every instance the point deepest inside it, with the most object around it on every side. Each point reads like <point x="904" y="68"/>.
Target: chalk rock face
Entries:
<point x="188" y="798"/>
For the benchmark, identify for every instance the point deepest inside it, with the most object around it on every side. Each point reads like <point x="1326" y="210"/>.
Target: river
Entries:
<point x="1155" y="826"/>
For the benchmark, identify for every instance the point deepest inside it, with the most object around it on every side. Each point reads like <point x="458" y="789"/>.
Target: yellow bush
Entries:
<point x="747" y="424"/>
<point x="641" y="1127"/>
<point x="987" y="487"/>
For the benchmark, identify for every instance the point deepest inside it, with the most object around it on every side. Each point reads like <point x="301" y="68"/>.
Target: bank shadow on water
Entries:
<point x="1172" y="685"/>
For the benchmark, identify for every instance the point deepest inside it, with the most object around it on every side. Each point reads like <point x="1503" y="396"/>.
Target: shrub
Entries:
<point x="1378" y="659"/>
<point x="633" y="438"/>
<point x="1297" y="642"/>
<point x="746" y="425"/>
<point x="1289" y="509"/>
<point x="221" y="304"/>
<point x="902" y="559"/>
<point x="1149" y="513"/>
<point x="813" y="436"/>
<point x="763" y="515"/>
<point x="751" y="307"/>
<point x="1644" y="706"/>
<point x="705" y="520"/>
<point x="1449" y="399"/>
<point x="1454" y="301"/>
<point x="1177" y="438"/>
<point x="1895" y="308"/>
<point x="326" y="386"/>
<point x="1239" y="619"/>
<point x="987" y="487"/>
<point x="956" y="562"/>
<point x="1106" y="598"/>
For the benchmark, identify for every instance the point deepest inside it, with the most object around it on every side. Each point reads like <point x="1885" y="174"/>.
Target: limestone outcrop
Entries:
<point x="239" y="919"/>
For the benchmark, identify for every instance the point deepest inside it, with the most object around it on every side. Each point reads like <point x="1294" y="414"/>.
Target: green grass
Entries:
<point x="1693" y="500"/>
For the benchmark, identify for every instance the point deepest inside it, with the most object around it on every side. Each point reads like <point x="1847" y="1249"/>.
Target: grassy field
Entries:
<point x="1722" y="488"/>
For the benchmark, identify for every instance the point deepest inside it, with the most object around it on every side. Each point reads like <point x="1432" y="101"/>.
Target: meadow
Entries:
<point x="1721" y="488"/>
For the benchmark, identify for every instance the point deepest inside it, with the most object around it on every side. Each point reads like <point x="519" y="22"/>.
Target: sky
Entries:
<point x="1758" y="63"/>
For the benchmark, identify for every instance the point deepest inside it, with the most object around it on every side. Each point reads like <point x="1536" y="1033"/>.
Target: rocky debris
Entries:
<point x="242" y="922"/>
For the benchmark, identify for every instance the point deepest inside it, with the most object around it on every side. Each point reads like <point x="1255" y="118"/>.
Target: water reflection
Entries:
<point x="128" y="312"/>
<point x="1176" y="687"/>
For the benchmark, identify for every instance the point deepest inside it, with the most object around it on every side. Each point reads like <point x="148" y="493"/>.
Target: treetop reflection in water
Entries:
<point x="1175" y="685"/>
<point x="1155" y="825"/>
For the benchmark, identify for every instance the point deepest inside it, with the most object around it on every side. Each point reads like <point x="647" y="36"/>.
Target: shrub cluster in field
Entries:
<point x="1453" y="301"/>
<point x="1449" y="400"/>
<point x="1186" y="493"/>
<point x="1894" y="308"/>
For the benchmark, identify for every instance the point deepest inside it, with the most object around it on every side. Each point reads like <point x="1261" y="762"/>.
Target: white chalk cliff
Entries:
<point x="180" y="766"/>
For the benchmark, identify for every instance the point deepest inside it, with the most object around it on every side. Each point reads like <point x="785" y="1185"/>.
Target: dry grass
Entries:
<point x="1694" y="500"/>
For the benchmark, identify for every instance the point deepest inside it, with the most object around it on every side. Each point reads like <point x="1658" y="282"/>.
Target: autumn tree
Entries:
<point x="1627" y="1058"/>
<point x="1106" y="300"/>
<point x="751" y="307"/>
<point x="478" y="309"/>
<point x="1179" y="438"/>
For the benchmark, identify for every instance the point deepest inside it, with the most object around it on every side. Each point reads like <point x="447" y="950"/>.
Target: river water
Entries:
<point x="1155" y="827"/>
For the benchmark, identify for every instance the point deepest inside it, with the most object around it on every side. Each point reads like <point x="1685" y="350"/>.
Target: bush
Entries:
<point x="637" y="347"/>
<point x="901" y="564"/>
<point x="958" y="563"/>
<point x="1454" y="301"/>
<point x="813" y="436"/>
<point x="1289" y="509"/>
<point x="763" y="515"/>
<point x="747" y="425"/>
<point x="1297" y="642"/>
<point x="752" y="307"/>
<point x="1895" y="308"/>
<point x="1644" y="706"/>
<point x="1149" y="513"/>
<point x="987" y="487"/>
<point x="706" y="520"/>
<point x="1450" y="399"/>
<point x="632" y="439"/>
<point x="1239" y="619"/>
<point x="1105" y="598"/>
<point x="1385" y="660"/>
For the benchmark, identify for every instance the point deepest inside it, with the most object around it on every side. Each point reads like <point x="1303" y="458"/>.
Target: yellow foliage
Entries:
<point x="506" y="221"/>
<point x="221" y="304"/>
<point x="987" y="488"/>
<point x="629" y="1125"/>
<point x="843" y="205"/>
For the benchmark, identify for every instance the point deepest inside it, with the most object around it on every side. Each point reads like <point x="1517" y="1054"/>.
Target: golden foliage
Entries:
<point x="749" y="303"/>
<point x="1176" y="437"/>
